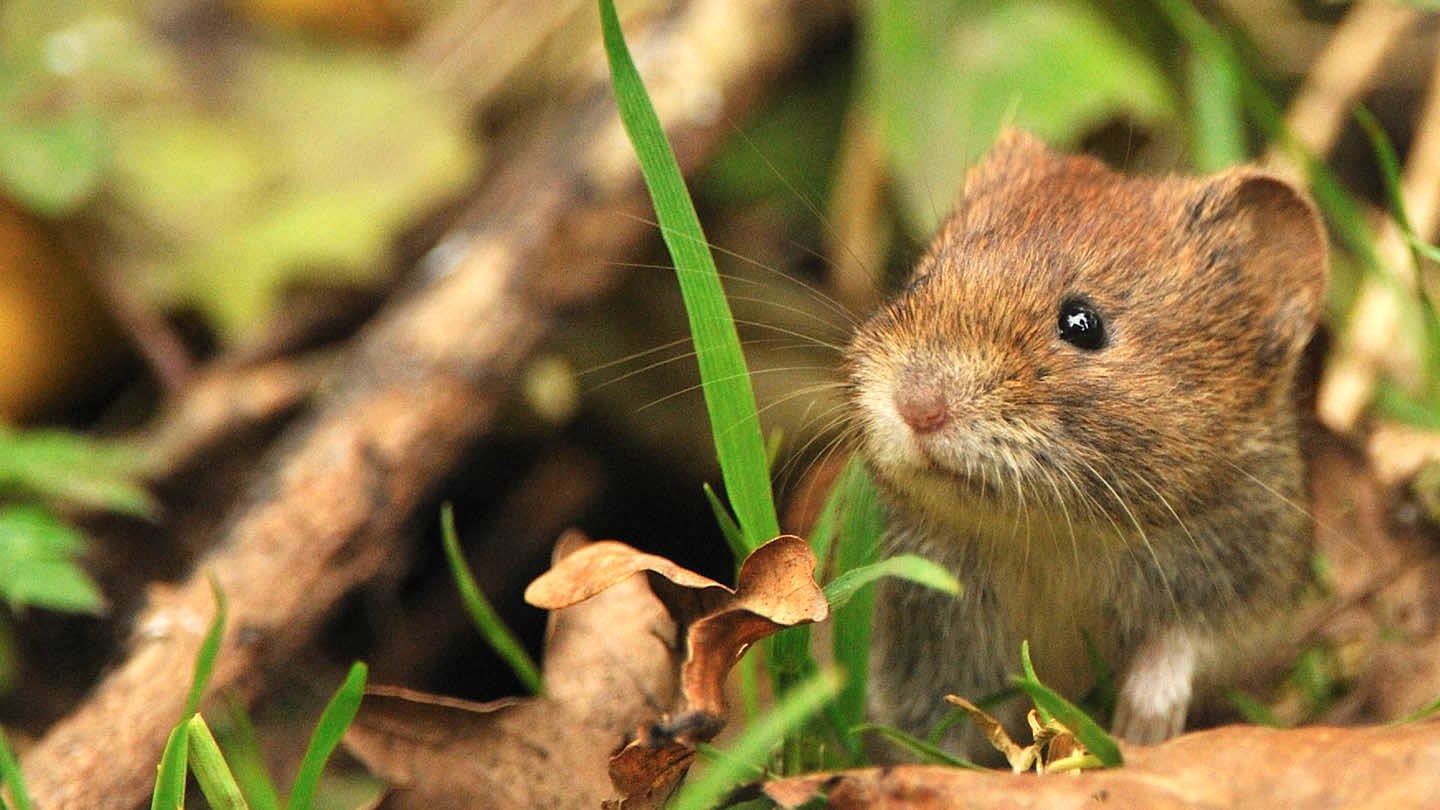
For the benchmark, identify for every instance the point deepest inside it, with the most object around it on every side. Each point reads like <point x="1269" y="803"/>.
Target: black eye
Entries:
<point x="1080" y="325"/>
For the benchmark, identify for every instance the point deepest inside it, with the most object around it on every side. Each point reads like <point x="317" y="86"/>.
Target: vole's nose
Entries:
<point x="921" y="403"/>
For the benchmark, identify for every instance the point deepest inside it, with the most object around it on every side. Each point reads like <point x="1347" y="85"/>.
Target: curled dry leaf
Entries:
<point x="776" y="589"/>
<point x="608" y="665"/>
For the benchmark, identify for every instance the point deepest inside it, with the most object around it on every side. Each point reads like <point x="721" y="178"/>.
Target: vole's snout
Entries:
<point x="921" y="403"/>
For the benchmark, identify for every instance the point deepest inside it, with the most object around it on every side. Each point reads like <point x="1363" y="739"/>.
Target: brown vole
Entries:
<point x="1081" y="405"/>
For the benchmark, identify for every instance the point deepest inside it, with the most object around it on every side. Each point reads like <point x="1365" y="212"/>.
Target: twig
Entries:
<point x="1341" y="74"/>
<point x="1372" y="340"/>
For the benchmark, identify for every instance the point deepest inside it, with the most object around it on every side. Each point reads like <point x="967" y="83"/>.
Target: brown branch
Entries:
<point x="419" y="384"/>
<point x="1372" y="339"/>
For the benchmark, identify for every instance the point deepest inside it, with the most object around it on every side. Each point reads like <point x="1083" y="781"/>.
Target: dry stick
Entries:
<point x="1342" y="72"/>
<point x="1372" y="339"/>
<point x="419" y="385"/>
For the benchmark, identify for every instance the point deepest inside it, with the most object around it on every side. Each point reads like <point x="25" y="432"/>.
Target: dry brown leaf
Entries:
<point x="1232" y="767"/>
<point x="776" y="589"/>
<point x="609" y="665"/>
<point x="1020" y="759"/>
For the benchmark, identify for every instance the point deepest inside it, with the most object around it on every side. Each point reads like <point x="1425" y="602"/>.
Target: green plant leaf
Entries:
<point x="492" y="628"/>
<point x="861" y="523"/>
<point x="1217" y="118"/>
<point x="1252" y="710"/>
<point x="209" y="649"/>
<point x="338" y="714"/>
<point x="751" y="750"/>
<point x="73" y="468"/>
<point x="37" y="562"/>
<point x="1050" y="703"/>
<point x="943" y="77"/>
<point x="729" y="397"/>
<point x="242" y="751"/>
<point x="928" y="752"/>
<point x="11" y="777"/>
<point x="51" y="163"/>
<point x="169" y="791"/>
<point x="734" y="537"/>
<point x="910" y="567"/>
<point x="211" y="772"/>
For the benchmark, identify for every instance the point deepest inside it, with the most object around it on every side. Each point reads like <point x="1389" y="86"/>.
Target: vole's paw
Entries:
<point x="1147" y="727"/>
<point x="1155" y="695"/>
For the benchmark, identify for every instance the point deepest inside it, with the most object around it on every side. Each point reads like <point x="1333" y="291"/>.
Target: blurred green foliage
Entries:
<point x="943" y="76"/>
<point x="232" y="169"/>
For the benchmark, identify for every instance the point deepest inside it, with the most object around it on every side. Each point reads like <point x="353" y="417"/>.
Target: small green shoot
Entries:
<point x="211" y="772"/>
<point x="729" y="397"/>
<point x="751" y="750"/>
<point x="242" y="751"/>
<point x="338" y="715"/>
<point x="928" y="752"/>
<point x="1051" y="705"/>
<point x="1217" y="121"/>
<point x="492" y="628"/>
<point x="734" y="537"/>
<point x="1423" y="713"/>
<point x="11" y="777"/>
<point x="909" y="567"/>
<point x="209" y="650"/>
<point x="1252" y="710"/>
<point x="169" y="791"/>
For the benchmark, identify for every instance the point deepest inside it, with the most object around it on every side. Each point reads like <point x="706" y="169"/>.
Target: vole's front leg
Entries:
<point x="1155" y="693"/>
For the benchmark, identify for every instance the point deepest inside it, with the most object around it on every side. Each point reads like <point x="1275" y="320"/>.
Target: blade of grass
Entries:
<point x="11" y="777"/>
<point x="338" y="714"/>
<point x="1217" y="123"/>
<point x="211" y="773"/>
<point x="492" y="628"/>
<point x="753" y="747"/>
<point x="1252" y="710"/>
<point x="242" y="751"/>
<point x="856" y="548"/>
<point x="842" y="590"/>
<point x="1426" y="711"/>
<point x="169" y="791"/>
<point x="928" y="752"/>
<point x="209" y="650"/>
<point x="729" y="397"/>
<point x="728" y="527"/>
<point x="1049" y="703"/>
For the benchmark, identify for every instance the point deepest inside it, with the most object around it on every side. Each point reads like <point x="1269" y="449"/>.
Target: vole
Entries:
<point x="1082" y="405"/>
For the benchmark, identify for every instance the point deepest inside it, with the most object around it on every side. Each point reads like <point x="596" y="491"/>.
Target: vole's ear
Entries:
<point x="1261" y="227"/>
<point x="1016" y="153"/>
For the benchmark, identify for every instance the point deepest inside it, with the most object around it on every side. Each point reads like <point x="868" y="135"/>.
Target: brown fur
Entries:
<point x="1151" y="487"/>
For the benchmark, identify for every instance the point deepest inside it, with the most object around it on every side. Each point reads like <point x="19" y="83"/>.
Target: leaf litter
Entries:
<point x="634" y="667"/>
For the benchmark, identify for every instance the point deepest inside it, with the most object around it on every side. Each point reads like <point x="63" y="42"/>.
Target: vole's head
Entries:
<point x="1123" y="347"/>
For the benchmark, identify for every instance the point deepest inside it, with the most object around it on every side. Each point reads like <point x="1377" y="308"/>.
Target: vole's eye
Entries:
<point x="1080" y="325"/>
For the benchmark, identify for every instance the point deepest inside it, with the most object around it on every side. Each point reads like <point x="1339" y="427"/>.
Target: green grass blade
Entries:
<point x="734" y="537"/>
<point x="1217" y="123"/>
<point x="242" y="750"/>
<point x="209" y="650"/>
<point x="1049" y="703"/>
<point x="753" y="747"/>
<point x="1424" y="712"/>
<point x="1252" y="710"/>
<point x="928" y="752"/>
<point x="11" y="777"/>
<point x="211" y="772"/>
<point x="169" y="791"/>
<point x="492" y="628"/>
<point x="843" y="589"/>
<point x="856" y="548"/>
<point x="729" y="397"/>
<point x="338" y="714"/>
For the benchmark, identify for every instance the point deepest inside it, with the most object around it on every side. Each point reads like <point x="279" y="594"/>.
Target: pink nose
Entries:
<point x="922" y="406"/>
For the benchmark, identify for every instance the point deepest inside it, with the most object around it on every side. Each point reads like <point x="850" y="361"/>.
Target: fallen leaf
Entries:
<point x="609" y="665"/>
